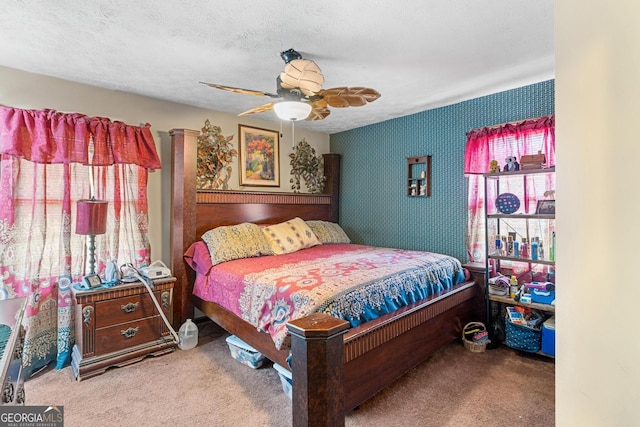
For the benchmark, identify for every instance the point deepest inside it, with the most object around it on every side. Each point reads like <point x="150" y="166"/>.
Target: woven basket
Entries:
<point x="474" y="347"/>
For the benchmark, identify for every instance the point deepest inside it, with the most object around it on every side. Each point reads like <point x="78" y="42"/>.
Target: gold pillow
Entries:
<point x="290" y="236"/>
<point x="328" y="232"/>
<point x="231" y="242"/>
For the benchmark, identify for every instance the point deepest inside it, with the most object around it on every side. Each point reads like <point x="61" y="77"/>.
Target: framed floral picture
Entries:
<point x="259" y="157"/>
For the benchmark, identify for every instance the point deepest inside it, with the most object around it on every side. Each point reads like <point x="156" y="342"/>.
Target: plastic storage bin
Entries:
<point x="549" y="336"/>
<point x="244" y="353"/>
<point x="542" y="297"/>
<point x="285" y="379"/>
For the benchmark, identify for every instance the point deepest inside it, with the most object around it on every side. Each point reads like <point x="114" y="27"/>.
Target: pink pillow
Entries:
<point x="198" y="257"/>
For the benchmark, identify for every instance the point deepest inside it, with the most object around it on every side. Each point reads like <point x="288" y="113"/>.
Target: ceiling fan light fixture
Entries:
<point x="300" y="88"/>
<point x="292" y="110"/>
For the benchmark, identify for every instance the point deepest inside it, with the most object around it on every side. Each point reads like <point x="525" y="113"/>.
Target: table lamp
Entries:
<point x="91" y="219"/>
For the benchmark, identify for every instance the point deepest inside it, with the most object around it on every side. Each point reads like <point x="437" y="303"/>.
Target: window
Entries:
<point x="50" y="160"/>
<point x="497" y="143"/>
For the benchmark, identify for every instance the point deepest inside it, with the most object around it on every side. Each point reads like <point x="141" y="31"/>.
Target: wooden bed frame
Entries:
<point x="334" y="368"/>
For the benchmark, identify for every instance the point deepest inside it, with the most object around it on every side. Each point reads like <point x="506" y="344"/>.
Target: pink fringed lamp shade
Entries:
<point x="91" y="217"/>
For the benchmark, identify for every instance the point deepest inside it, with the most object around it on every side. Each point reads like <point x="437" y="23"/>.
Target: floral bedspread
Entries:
<point x="353" y="282"/>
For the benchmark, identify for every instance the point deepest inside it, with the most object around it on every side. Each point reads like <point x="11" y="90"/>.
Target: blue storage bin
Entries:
<point x="549" y="336"/>
<point x="244" y="353"/>
<point x="285" y="379"/>
<point x="542" y="297"/>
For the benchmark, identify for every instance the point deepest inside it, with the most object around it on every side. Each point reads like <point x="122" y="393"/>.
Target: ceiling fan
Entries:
<point x="299" y="86"/>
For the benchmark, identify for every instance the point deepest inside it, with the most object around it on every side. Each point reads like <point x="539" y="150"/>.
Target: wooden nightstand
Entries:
<point x="120" y="325"/>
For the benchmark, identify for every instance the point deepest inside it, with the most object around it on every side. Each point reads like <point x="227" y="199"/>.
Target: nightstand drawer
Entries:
<point x="127" y="335"/>
<point x="125" y="309"/>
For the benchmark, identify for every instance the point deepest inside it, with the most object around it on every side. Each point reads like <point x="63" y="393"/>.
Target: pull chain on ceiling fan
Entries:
<point x="299" y="86"/>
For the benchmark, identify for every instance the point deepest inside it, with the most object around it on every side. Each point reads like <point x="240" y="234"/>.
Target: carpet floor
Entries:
<point x="206" y="387"/>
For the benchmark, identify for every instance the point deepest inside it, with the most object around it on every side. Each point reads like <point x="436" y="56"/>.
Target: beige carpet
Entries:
<point x="206" y="387"/>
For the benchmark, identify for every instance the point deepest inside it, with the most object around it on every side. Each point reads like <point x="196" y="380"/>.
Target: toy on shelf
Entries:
<point x="533" y="161"/>
<point x="512" y="164"/>
<point x="494" y="167"/>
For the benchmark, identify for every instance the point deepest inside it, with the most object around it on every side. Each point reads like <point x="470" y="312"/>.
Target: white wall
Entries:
<point x="598" y="212"/>
<point x="31" y="91"/>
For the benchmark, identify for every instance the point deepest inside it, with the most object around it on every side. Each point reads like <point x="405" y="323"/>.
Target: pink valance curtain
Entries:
<point x="47" y="136"/>
<point x="510" y="139"/>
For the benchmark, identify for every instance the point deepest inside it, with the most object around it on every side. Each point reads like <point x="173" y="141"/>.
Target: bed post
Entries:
<point x="332" y="185"/>
<point x="317" y="355"/>
<point x="478" y="273"/>
<point x="184" y="144"/>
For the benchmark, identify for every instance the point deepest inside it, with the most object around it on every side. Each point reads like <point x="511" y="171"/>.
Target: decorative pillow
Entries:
<point x="290" y="236"/>
<point x="197" y="257"/>
<point x="328" y="232"/>
<point x="231" y="242"/>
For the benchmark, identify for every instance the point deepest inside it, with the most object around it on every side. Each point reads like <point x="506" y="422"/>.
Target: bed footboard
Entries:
<point x="373" y="355"/>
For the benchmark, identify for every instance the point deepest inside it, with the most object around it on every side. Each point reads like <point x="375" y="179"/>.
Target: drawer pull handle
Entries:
<point x="87" y="314"/>
<point x="165" y="299"/>
<point x="131" y="332"/>
<point x="130" y="307"/>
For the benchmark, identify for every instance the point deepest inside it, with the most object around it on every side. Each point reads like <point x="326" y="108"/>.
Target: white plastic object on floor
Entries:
<point x="188" y="335"/>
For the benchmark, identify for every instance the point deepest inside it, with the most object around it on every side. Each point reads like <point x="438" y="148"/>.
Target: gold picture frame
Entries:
<point x="259" y="156"/>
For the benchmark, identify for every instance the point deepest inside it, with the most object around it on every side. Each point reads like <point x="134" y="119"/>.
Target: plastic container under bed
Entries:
<point x="285" y="379"/>
<point x="244" y="353"/>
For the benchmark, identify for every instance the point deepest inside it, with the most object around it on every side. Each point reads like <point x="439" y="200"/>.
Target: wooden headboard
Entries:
<point x="194" y="212"/>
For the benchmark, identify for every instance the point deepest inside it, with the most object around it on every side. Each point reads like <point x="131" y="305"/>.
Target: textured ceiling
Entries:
<point x="419" y="54"/>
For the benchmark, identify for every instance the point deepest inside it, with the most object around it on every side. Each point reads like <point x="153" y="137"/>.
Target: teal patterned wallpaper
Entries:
<point x="374" y="206"/>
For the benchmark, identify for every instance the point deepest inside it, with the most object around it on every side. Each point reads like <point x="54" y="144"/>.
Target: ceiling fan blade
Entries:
<point x="259" y="109"/>
<point x="318" y="113"/>
<point x="319" y="110"/>
<point x="241" y="90"/>
<point x="341" y="97"/>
